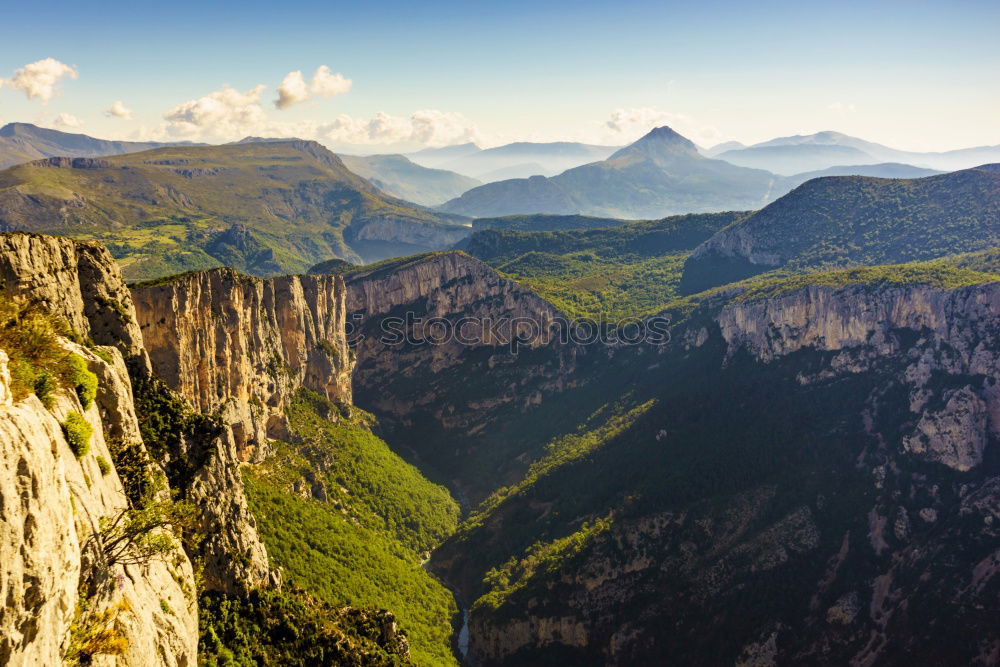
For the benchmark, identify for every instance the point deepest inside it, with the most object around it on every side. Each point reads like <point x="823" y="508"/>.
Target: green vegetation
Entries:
<point x="95" y="634"/>
<point x="265" y="208"/>
<point x="78" y="433"/>
<point x="605" y="274"/>
<point x="540" y="560"/>
<point x="290" y="627"/>
<point x="38" y="362"/>
<point x="933" y="274"/>
<point x="103" y="466"/>
<point x="547" y="223"/>
<point x="171" y="430"/>
<point x="137" y="535"/>
<point x="360" y="535"/>
<point x="82" y="380"/>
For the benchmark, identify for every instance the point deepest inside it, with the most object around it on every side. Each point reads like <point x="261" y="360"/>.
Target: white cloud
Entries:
<point x="293" y="88"/>
<point x="38" y="80"/>
<point x="326" y="84"/>
<point x="226" y="113"/>
<point x="119" y="110"/>
<point x="67" y="120"/>
<point x="627" y="125"/>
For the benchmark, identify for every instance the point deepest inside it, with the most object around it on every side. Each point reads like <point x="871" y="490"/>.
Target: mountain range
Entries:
<point x="660" y="174"/>
<point x="517" y="160"/>
<point x="811" y="152"/>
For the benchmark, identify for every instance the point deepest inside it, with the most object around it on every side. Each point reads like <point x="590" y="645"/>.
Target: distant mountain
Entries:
<point x="517" y="160"/>
<point x="23" y="142"/>
<point x="883" y="170"/>
<point x="721" y="148"/>
<point x="402" y="178"/>
<point x="265" y="208"/>
<point x="809" y="152"/>
<point x="848" y="221"/>
<point x="660" y="174"/>
<point x="436" y="157"/>
<point x="793" y="159"/>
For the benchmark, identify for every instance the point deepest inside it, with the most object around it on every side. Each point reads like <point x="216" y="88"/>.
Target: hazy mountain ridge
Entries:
<point x="660" y="174"/>
<point x="521" y="159"/>
<point x="813" y="152"/>
<point x="400" y="177"/>
<point x="24" y="142"/>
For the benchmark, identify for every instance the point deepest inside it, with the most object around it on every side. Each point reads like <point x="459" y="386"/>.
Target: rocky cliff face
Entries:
<point x="242" y="346"/>
<point x="816" y="481"/>
<point x="957" y="336"/>
<point x="433" y="339"/>
<point x="53" y="506"/>
<point x="80" y="281"/>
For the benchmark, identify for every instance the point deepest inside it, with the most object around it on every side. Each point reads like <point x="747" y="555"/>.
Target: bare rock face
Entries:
<point x="77" y="280"/>
<point x="242" y="346"/>
<point x="954" y="333"/>
<point x="434" y="342"/>
<point x="51" y="507"/>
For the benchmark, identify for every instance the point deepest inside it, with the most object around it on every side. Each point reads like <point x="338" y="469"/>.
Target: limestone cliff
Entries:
<point x="241" y="346"/>
<point x="957" y="337"/>
<point x="433" y="338"/>
<point x="78" y="280"/>
<point x="53" y="506"/>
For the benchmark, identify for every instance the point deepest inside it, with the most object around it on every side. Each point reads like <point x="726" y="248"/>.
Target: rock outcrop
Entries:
<point x="80" y="281"/>
<point x="936" y="335"/>
<point x="439" y="359"/>
<point x="241" y="346"/>
<point x="52" y="505"/>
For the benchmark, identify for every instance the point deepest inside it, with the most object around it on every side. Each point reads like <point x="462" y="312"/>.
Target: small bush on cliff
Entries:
<point x="38" y="363"/>
<point x="78" y="433"/>
<point x="81" y="379"/>
<point x="93" y="634"/>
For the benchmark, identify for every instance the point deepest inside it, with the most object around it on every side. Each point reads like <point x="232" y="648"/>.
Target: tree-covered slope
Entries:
<point x="265" y="208"/>
<point x="612" y="273"/>
<point x="349" y="522"/>
<point x="854" y="220"/>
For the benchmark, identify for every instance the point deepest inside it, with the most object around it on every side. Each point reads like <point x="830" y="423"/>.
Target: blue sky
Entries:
<point x="915" y="75"/>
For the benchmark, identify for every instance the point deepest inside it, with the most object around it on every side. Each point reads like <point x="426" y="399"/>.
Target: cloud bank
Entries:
<point x="38" y="80"/>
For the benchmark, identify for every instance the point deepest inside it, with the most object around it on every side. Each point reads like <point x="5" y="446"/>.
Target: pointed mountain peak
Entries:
<point x="659" y="142"/>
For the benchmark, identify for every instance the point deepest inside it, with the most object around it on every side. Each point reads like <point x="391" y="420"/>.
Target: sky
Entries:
<point x="387" y="76"/>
